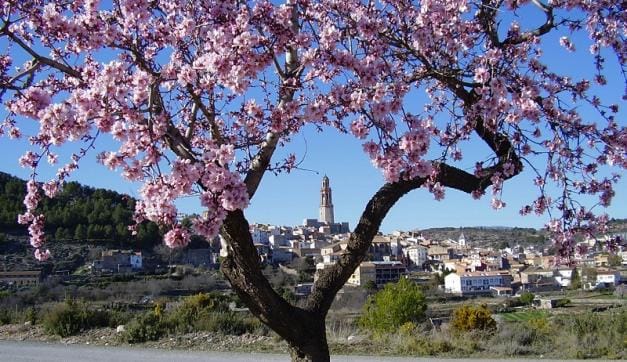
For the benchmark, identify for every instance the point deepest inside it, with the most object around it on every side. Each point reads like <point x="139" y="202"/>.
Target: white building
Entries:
<point x="259" y="235"/>
<point x="462" y="239"/>
<point x="477" y="282"/>
<point x="417" y="255"/>
<point x="607" y="278"/>
<point x="282" y="255"/>
<point x="564" y="277"/>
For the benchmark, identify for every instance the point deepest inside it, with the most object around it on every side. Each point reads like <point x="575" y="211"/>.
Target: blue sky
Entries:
<point x="287" y="199"/>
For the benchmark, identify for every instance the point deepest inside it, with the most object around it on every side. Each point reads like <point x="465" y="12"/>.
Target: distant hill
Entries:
<point x="77" y="214"/>
<point x="485" y="236"/>
<point x="501" y="236"/>
<point x="618" y="226"/>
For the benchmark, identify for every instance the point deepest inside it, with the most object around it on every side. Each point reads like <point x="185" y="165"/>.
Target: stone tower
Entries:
<point x="462" y="239"/>
<point x="326" y="203"/>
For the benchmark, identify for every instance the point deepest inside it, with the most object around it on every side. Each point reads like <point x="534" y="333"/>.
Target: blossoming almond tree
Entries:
<point x="199" y="94"/>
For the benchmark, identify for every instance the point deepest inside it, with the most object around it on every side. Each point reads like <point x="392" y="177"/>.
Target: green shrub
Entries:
<point x="196" y="310"/>
<point x="31" y="315"/>
<point x="118" y="317"/>
<point x="420" y="345"/>
<point x="562" y="303"/>
<point x="70" y="317"/>
<point x="201" y="312"/>
<point x="227" y="323"/>
<point x="593" y="335"/>
<point x="5" y="317"/>
<point x="145" y="327"/>
<point x="395" y="305"/>
<point x="526" y="298"/>
<point x="472" y="318"/>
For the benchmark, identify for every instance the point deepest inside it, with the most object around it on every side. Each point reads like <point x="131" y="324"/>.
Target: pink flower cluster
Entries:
<point x="177" y="237"/>
<point x="35" y="221"/>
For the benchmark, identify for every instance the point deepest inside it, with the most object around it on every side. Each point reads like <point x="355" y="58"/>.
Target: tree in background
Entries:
<point x="614" y="260"/>
<point x="589" y="275"/>
<point x="526" y="298"/>
<point x="199" y="95"/>
<point x="575" y="280"/>
<point x="394" y="305"/>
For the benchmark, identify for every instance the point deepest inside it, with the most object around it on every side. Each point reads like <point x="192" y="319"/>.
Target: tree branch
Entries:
<point x="261" y="161"/>
<point x="40" y="58"/>
<point x="543" y="29"/>
<point x="210" y="115"/>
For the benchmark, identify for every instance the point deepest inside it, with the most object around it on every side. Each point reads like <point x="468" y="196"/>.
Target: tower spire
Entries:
<point x="326" y="202"/>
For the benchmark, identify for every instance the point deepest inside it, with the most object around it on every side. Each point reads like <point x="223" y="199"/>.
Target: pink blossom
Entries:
<point x="359" y="129"/>
<point x="497" y="203"/>
<point x="42" y="255"/>
<point x="566" y="43"/>
<point x="51" y="188"/>
<point x="438" y="191"/>
<point x="29" y="159"/>
<point x="177" y="237"/>
<point x="481" y="75"/>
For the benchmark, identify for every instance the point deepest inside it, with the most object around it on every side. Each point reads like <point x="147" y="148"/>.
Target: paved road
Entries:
<point x="43" y="352"/>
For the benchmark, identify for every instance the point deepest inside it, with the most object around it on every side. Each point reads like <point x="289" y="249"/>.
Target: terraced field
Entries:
<point x="523" y="316"/>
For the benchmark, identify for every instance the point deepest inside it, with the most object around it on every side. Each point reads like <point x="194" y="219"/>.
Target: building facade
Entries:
<point x="477" y="282"/>
<point x="380" y="272"/>
<point x="21" y="278"/>
<point x="417" y="255"/>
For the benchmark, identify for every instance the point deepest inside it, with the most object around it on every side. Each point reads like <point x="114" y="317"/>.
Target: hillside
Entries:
<point x="77" y="220"/>
<point x="484" y="236"/>
<point x="76" y="214"/>
<point x="499" y="237"/>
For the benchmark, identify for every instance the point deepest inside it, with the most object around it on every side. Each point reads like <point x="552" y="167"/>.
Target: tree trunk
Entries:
<point x="311" y="346"/>
<point x="311" y="351"/>
<point x="303" y="329"/>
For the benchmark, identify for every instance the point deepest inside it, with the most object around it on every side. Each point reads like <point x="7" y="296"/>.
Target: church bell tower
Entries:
<point x="326" y="203"/>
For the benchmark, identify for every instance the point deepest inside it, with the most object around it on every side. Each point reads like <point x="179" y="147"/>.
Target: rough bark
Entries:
<point x="304" y="330"/>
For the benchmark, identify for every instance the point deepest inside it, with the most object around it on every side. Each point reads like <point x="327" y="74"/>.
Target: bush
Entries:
<point x="195" y="309"/>
<point x="562" y="303"/>
<point x="228" y="323"/>
<point x="201" y="312"/>
<point x="146" y="327"/>
<point x="31" y="315"/>
<point x="420" y="345"/>
<point x="394" y="306"/>
<point x="592" y="335"/>
<point x="5" y="317"/>
<point x="472" y="318"/>
<point x="70" y="317"/>
<point x="526" y="298"/>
